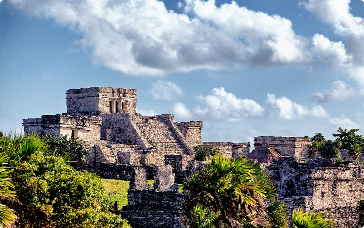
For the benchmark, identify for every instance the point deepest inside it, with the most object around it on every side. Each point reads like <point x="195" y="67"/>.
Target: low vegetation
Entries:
<point x="51" y="193"/>
<point x="308" y="219"/>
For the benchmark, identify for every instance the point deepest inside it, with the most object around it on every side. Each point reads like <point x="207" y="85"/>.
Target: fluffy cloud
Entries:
<point x="348" y="58"/>
<point x="181" y="111"/>
<point x="344" y="122"/>
<point x="291" y="110"/>
<point x="166" y="90"/>
<point x="340" y="92"/>
<point x="221" y="105"/>
<point x="143" y="37"/>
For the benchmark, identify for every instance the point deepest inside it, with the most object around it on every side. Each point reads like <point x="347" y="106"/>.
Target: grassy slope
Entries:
<point x="118" y="190"/>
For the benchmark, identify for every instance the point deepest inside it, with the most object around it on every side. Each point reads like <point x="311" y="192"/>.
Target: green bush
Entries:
<point x="53" y="194"/>
<point x="201" y="152"/>
<point x="308" y="219"/>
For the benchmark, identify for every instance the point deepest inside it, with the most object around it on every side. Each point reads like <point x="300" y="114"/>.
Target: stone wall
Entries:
<point x="101" y="100"/>
<point x="158" y="207"/>
<point x="285" y="146"/>
<point x="86" y="128"/>
<point x="232" y="150"/>
<point x="320" y="185"/>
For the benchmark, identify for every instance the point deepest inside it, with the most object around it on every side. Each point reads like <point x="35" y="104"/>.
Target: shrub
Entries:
<point x="201" y="152"/>
<point x="52" y="193"/>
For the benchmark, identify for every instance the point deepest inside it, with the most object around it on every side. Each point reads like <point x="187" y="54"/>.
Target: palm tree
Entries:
<point x="309" y="219"/>
<point x="228" y="193"/>
<point x="7" y="216"/>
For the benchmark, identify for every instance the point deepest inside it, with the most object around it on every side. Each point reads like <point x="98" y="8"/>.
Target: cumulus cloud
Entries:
<point x="340" y="91"/>
<point x="344" y="122"/>
<point x="181" y="111"/>
<point x="290" y="110"/>
<point x="349" y="57"/>
<point x="166" y="90"/>
<point x="143" y="37"/>
<point x="221" y="105"/>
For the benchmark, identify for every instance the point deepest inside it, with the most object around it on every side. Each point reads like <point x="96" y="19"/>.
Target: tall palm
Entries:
<point x="7" y="216"/>
<point x="233" y="191"/>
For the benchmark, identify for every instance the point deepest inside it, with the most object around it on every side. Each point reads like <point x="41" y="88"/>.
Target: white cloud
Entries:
<point x="340" y="92"/>
<point x="181" y="111"/>
<point x="344" y="122"/>
<point x="143" y="37"/>
<point x="221" y="105"/>
<point x="348" y="58"/>
<point x="146" y="112"/>
<point x="291" y="110"/>
<point x="166" y="90"/>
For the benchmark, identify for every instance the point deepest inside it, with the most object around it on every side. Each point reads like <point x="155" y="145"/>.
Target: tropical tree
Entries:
<point x="54" y="194"/>
<point x="309" y="219"/>
<point x="327" y="148"/>
<point x="351" y="141"/>
<point x="7" y="215"/>
<point x="227" y="193"/>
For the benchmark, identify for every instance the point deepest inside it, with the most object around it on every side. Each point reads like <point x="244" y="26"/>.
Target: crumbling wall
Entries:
<point x="158" y="207"/>
<point x="285" y="146"/>
<point x="101" y="100"/>
<point x="232" y="150"/>
<point x="320" y="185"/>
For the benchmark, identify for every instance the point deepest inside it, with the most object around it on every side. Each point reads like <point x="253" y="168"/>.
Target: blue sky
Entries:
<point x="246" y="68"/>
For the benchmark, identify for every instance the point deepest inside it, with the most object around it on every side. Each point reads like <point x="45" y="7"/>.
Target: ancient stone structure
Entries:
<point x="119" y="138"/>
<point x="285" y="146"/>
<point x="320" y="185"/>
<point x="157" y="207"/>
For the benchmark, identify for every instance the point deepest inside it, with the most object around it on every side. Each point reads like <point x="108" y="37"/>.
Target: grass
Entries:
<point x="118" y="190"/>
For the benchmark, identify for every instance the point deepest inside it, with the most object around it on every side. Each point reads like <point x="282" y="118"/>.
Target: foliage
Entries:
<point x="277" y="215"/>
<point x="117" y="191"/>
<point x="201" y="152"/>
<point x="328" y="149"/>
<point x="351" y="141"/>
<point x="70" y="149"/>
<point x="229" y="193"/>
<point x="19" y="148"/>
<point x="7" y="215"/>
<point x="53" y="194"/>
<point x="360" y="211"/>
<point x="308" y="219"/>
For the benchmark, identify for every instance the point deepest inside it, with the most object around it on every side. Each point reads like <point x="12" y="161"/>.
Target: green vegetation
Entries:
<point x="360" y="211"/>
<point x="228" y="193"/>
<point x="351" y="141"/>
<point x="7" y="215"/>
<point x="308" y="219"/>
<point x="328" y="149"/>
<point x="51" y="193"/>
<point x="201" y="152"/>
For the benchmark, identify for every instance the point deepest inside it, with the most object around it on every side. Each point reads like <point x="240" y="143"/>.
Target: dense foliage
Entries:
<point x="327" y="148"/>
<point x="351" y="141"/>
<point x="202" y="152"/>
<point x="50" y="192"/>
<point x="227" y="193"/>
<point x="308" y="219"/>
<point x="70" y="149"/>
<point x="360" y="211"/>
<point x="7" y="215"/>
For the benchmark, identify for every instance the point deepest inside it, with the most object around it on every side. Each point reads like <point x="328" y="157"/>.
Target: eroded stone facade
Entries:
<point x="106" y="119"/>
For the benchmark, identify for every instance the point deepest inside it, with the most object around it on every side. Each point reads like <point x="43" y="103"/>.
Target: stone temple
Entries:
<point x="127" y="145"/>
<point x="106" y="119"/>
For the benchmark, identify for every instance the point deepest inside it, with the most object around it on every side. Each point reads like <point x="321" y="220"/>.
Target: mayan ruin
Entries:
<point x="129" y="146"/>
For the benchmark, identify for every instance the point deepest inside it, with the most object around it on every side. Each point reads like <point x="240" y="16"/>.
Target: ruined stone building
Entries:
<point x="119" y="138"/>
<point x="127" y="145"/>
